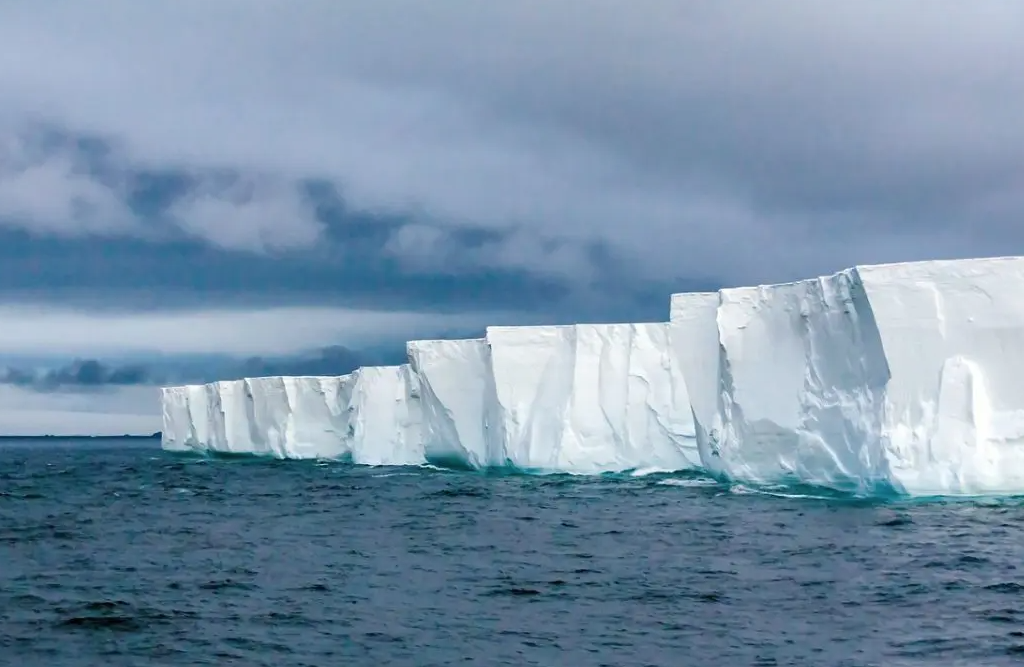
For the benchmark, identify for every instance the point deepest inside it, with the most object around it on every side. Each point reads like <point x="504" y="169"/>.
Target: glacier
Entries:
<point x="875" y="379"/>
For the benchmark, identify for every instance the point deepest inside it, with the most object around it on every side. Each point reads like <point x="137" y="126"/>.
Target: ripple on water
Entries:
<point x="130" y="556"/>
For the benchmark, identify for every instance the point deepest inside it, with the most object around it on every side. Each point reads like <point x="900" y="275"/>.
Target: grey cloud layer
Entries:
<point x="94" y="374"/>
<point x="715" y="140"/>
<point x="39" y="331"/>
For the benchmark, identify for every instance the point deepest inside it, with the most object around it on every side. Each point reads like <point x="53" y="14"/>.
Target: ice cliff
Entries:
<point x="588" y="398"/>
<point x="370" y="417"/>
<point x="899" y="377"/>
<point x="455" y="386"/>
<point x="580" y="399"/>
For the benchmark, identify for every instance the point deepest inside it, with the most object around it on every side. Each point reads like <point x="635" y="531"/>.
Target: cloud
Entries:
<point x="53" y="183"/>
<point x="249" y="214"/>
<point x="722" y="141"/>
<point x="82" y="373"/>
<point x="333" y="360"/>
<point x="50" y="189"/>
<point x="97" y="375"/>
<point x="40" y="331"/>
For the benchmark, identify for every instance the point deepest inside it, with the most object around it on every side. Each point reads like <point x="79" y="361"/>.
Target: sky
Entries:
<point x="199" y="190"/>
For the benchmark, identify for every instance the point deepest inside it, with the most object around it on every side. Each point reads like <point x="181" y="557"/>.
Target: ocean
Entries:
<point x="116" y="553"/>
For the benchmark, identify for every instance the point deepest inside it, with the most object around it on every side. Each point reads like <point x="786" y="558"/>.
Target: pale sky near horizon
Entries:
<point x="201" y="190"/>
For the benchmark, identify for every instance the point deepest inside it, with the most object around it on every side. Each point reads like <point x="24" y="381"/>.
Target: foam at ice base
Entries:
<point x="587" y="399"/>
<point x="904" y="375"/>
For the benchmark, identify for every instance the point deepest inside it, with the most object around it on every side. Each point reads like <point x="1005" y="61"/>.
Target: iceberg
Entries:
<point x="588" y="398"/>
<point x="952" y="332"/>
<point x="899" y="376"/>
<point x="786" y="382"/>
<point x="370" y="416"/>
<point x="885" y="378"/>
<point x="177" y="419"/>
<point x="290" y="417"/>
<point x="580" y="399"/>
<point x="385" y="417"/>
<point x="455" y="392"/>
<point x="693" y="336"/>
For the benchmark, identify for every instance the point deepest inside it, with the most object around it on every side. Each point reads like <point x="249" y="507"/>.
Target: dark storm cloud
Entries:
<point x="334" y="360"/>
<point x="681" y="144"/>
<point x="94" y="374"/>
<point x="367" y="259"/>
<point x="80" y="374"/>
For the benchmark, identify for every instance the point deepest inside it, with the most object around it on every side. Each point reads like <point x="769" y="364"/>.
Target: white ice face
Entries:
<point x="589" y="398"/>
<point x="901" y="376"/>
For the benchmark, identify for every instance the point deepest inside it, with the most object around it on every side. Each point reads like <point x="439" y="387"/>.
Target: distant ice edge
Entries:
<point x="897" y="378"/>
<point x="581" y="399"/>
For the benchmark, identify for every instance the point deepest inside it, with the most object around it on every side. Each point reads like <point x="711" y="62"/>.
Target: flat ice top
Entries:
<point x="903" y="374"/>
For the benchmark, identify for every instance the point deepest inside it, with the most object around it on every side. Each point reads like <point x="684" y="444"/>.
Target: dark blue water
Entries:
<point x="122" y="555"/>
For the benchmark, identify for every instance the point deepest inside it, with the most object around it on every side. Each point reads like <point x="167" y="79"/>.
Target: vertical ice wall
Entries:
<point x="292" y="417"/>
<point x="269" y="416"/>
<point x="693" y="334"/>
<point x="385" y="417"/>
<point x="952" y="332"/>
<point x="318" y="424"/>
<point x="532" y="375"/>
<point x="199" y="413"/>
<point x="587" y="398"/>
<point x="455" y="387"/>
<point x="176" y="426"/>
<point x="903" y="375"/>
<point x="800" y="377"/>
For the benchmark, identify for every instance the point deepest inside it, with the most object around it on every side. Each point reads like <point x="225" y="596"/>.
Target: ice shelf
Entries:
<point x="897" y="377"/>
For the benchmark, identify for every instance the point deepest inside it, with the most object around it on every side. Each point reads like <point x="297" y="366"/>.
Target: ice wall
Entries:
<point x="786" y="382"/>
<point x="693" y="335"/>
<point x="953" y="335"/>
<point x="177" y="422"/>
<point x="900" y="376"/>
<point x="371" y="416"/>
<point x="293" y="417"/>
<point x="385" y="417"/>
<point x="587" y="399"/>
<point x="455" y="387"/>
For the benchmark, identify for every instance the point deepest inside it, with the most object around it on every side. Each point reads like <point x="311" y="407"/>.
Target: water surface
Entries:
<point x="115" y="553"/>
